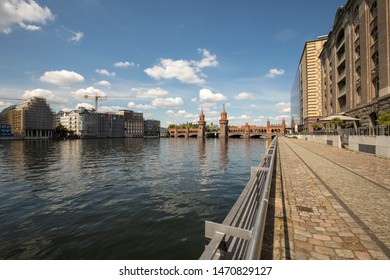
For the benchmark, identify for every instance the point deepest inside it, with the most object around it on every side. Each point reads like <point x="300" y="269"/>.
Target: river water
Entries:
<point x="118" y="198"/>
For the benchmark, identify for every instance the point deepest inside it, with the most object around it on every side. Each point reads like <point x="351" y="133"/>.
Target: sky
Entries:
<point x="166" y="58"/>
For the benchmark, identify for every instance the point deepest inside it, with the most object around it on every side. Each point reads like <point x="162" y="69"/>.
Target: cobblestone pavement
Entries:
<point x="336" y="202"/>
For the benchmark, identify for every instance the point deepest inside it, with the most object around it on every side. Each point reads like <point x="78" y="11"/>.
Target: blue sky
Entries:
<point x="168" y="57"/>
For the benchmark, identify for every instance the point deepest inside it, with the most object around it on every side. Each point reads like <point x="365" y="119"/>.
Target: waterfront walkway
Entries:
<point x="330" y="203"/>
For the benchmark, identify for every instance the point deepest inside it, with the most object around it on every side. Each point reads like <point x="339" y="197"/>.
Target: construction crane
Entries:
<point x="7" y="98"/>
<point x="97" y="96"/>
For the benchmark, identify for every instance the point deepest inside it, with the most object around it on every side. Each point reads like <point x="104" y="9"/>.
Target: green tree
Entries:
<point x="337" y="122"/>
<point x="384" y="119"/>
<point x="61" y="131"/>
<point x="317" y="126"/>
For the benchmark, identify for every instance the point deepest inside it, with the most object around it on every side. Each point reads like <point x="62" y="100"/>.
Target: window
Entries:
<point x="357" y="51"/>
<point x="374" y="10"/>
<point x="359" y="71"/>
<point x="375" y="83"/>
<point x="375" y="59"/>
<point x="374" y="35"/>
<point x="356" y="13"/>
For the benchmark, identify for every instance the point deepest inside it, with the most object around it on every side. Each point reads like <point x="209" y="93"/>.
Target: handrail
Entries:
<point x="241" y="233"/>
<point x="256" y="242"/>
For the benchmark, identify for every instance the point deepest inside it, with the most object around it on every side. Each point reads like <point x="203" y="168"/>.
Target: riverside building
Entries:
<point x="348" y="71"/>
<point x="90" y="124"/>
<point x="31" y="119"/>
<point x="355" y="62"/>
<point x="133" y="123"/>
<point x="310" y="87"/>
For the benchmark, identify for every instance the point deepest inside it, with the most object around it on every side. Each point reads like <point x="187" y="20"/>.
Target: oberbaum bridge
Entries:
<point x="226" y="131"/>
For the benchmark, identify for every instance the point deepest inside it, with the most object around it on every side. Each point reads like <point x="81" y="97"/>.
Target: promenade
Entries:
<point x="329" y="203"/>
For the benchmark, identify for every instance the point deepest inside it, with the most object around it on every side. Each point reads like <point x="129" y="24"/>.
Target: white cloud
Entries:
<point x="206" y="95"/>
<point x="30" y="27"/>
<point x="104" y="109"/>
<point x="275" y="72"/>
<point x="182" y="114"/>
<point x="51" y="98"/>
<point x="62" y="78"/>
<point x="77" y="36"/>
<point x="87" y="106"/>
<point x="104" y="83"/>
<point x="140" y="106"/>
<point x="208" y="59"/>
<point x="105" y="72"/>
<point x="168" y="102"/>
<point x="18" y="12"/>
<point x="4" y="104"/>
<point x="283" y="107"/>
<point x="244" y="96"/>
<point x="90" y="91"/>
<point x="125" y="64"/>
<point x="240" y="118"/>
<point x="149" y="92"/>
<point x="186" y="71"/>
<point x="174" y="69"/>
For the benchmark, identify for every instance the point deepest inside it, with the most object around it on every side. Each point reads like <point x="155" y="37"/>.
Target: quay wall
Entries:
<point x="332" y="140"/>
<point x="375" y="145"/>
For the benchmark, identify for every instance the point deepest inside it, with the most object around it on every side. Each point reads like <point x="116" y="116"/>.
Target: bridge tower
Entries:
<point x="223" y="124"/>
<point x="201" y="125"/>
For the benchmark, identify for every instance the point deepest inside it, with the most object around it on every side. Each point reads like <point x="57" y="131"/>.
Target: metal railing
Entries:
<point x="240" y="236"/>
<point x="378" y="130"/>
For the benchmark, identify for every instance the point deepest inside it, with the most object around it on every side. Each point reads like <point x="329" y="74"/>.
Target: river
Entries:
<point x="118" y="198"/>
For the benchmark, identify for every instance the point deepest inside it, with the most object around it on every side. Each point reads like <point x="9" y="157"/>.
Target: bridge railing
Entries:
<point x="241" y="233"/>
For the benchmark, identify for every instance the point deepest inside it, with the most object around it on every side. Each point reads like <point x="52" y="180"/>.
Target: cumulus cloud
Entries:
<point x="25" y="14"/>
<point x="50" y="96"/>
<point x="104" y="83"/>
<point x="90" y="91"/>
<point x="244" y="96"/>
<point x="240" y="118"/>
<point x="105" y="72"/>
<point x="168" y="102"/>
<point x="208" y="60"/>
<point x="186" y="71"/>
<point x="77" y="36"/>
<point x="283" y="107"/>
<point x="87" y="106"/>
<point x="206" y="95"/>
<point x="182" y="114"/>
<point x="125" y="64"/>
<point x="62" y="78"/>
<point x="4" y="104"/>
<point x="149" y="92"/>
<point x="272" y="73"/>
<point x="140" y="106"/>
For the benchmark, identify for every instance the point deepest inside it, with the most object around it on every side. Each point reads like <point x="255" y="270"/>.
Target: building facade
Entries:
<point x="310" y="87"/>
<point x="31" y="119"/>
<point x="133" y="123"/>
<point x="151" y="129"/>
<point x="356" y="62"/>
<point x="89" y="124"/>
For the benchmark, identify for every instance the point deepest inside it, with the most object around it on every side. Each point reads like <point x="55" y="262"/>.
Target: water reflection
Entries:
<point x="117" y="198"/>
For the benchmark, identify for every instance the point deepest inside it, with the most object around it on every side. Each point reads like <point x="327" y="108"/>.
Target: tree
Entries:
<point x="61" y="131"/>
<point x="384" y="119"/>
<point x="337" y="122"/>
<point x="317" y="126"/>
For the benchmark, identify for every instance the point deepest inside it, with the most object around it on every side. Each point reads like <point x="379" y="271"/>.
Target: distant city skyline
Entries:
<point x="172" y="57"/>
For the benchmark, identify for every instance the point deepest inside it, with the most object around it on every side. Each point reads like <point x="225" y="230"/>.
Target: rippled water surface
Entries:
<point x="117" y="198"/>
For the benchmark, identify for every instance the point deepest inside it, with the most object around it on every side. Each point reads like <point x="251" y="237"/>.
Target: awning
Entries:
<point x="341" y="117"/>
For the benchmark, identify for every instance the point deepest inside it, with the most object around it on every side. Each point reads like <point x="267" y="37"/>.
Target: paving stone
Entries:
<point x="339" y="227"/>
<point x="346" y="254"/>
<point x="322" y="237"/>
